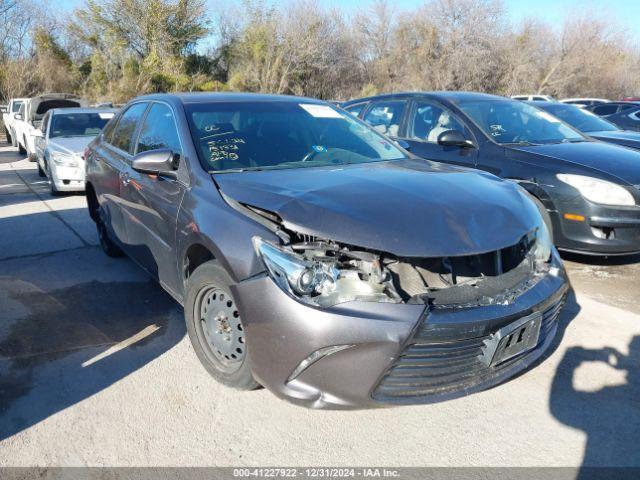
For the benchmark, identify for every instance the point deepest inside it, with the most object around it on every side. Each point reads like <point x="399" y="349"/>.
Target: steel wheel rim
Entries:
<point x="220" y="329"/>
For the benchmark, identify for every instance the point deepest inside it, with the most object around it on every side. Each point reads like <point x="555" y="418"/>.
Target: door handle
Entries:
<point x="125" y="179"/>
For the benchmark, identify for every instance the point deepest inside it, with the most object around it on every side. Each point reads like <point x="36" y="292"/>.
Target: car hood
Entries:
<point x="410" y="208"/>
<point x="620" y="137"/>
<point x="612" y="160"/>
<point x="71" y="145"/>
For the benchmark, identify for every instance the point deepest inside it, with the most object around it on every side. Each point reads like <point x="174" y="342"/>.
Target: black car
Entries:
<point x="588" y="191"/>
<point x="316" y="258"/>
<point x="625" y="115"/>
<point x="591" y="124"/>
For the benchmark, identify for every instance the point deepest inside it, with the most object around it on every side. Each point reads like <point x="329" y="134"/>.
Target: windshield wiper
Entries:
<point x="523" y="143"/>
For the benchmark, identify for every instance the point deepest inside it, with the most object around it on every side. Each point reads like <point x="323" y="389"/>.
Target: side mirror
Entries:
<point x="162" y="162"/>
<point x="3" y="109"/>
<point x="403" y="144"/>
<point x="18" y="116"/>
<point x="453" y="138"/>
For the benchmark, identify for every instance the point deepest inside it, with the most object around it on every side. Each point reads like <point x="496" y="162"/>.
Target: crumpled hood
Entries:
<point x="70" y="145"/>
<point x="620" y="137"/>
<point x="410" y="208"/>
<point x="622" y="163"/>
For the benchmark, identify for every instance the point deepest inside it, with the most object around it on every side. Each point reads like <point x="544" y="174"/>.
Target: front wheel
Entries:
<point x="215" y="327"/>
<point x="41" y="172"/>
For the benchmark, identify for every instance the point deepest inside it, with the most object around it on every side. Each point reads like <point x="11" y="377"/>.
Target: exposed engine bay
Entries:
<point x="325" y="273"/>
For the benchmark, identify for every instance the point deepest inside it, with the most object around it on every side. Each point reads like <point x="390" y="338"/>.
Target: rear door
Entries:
<point x="152" y="202"/>
<point x="112" y="153"/>
<point x="426" y="120"/>
<point x="41" y="141"/>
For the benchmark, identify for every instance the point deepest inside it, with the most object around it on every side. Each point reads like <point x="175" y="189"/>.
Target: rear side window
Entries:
<point x="159" y="130"/>
<point x="126" y="127"/>
<point x="605" y="109"/>
<point x="385" y="117"/>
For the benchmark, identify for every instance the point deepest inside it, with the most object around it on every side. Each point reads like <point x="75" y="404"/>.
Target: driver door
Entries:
<point x="426" y="121"/>
<point x="152" y="202"/>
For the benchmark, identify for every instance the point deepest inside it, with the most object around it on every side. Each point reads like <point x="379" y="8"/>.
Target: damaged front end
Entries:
<point x="324" y="273"/>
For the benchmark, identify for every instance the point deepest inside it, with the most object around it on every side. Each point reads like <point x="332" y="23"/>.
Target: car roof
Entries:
<point x="58" y="111"/>
<point x="442" y="95"/>
<point x="209" y="97"/>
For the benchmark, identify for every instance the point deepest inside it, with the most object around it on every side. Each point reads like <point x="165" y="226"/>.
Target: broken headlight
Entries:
<point x="323" y="274"/>
<point x="542" y="246"/>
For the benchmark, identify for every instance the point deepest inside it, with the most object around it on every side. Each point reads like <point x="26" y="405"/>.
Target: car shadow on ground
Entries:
<point x="609" y="415"/>
<point x="601" y="260"/>
<point x="72" y="323"/>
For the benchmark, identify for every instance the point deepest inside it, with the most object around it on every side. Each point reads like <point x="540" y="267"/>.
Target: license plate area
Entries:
<point x="512" y="340"/>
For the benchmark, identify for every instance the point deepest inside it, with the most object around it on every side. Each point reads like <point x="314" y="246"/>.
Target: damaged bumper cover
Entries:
<point x="359" y="354"/>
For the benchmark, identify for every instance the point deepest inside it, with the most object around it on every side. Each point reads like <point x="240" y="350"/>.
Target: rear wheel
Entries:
<point x="106" y="243"/>
<point x="215" y="327"/>
<point x="41" y="172"/>
<point x="8" y="135"/>
<point x="21" y="149"/>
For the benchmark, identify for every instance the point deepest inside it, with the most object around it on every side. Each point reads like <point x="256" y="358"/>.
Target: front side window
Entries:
<point x="429" y="121"/>
<point x="355" y="109"/>
<point x="126" y="127"/>
<point x="159" y="130"/>
<point x="77" y="124"/>
<point x="239" y="136"/>
<point x="580" y="119"/>
<point x="15" y="105"/>
<point x="512" y="122"/>
<point x="385" y="117"/>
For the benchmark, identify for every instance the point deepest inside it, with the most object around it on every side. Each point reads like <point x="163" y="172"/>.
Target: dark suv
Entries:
<point x="315" y="257"/>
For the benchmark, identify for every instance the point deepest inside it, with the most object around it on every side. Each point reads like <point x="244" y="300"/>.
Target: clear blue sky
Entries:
<point x="627" y="12"/>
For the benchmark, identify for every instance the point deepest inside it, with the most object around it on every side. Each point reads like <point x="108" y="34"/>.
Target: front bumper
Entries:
<point x="379" y="343"/>
<point x="605" y="230"/>
<point x="68" y="179"/>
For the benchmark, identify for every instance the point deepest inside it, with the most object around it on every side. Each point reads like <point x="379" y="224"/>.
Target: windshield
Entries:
<point x="15" y="105"/>
<point x="580" y="119"/>
<point x="239" y="136"/>
<point x="78" y="124"/>
<point x="513" y="122"/>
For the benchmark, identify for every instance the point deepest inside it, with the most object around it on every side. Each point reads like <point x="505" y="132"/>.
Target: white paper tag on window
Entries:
<point x="548" y="117"/>
<point x="321" y="111"/>
<point x="106" y="115"/>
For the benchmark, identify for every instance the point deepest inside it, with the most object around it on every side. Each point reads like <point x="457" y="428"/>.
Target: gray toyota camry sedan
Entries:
<point x="315" y="257"/>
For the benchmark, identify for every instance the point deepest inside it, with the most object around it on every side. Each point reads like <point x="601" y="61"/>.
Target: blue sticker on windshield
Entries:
<point x="319" y="148"/>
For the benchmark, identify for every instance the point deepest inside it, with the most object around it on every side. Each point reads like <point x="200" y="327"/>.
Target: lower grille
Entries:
<point x="428" y="366"/>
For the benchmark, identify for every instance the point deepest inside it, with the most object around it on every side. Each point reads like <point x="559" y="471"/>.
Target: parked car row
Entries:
<point x="394" y="249"/>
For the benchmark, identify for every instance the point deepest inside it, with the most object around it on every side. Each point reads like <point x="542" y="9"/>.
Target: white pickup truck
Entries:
<point x="8" y="118"/>
<point x="29" y="118"/>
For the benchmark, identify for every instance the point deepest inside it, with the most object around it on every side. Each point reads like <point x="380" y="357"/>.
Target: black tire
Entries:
<point x="546" y="218"/>
<point x="32" y="157"/>
<point x="54" y="191"/>
<point x="41" y="172"/>
<point x="208" y="286"/>
<point x="106" y="243"/>
<point x="21" y="149"/>
<point x="8" y="135"/>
